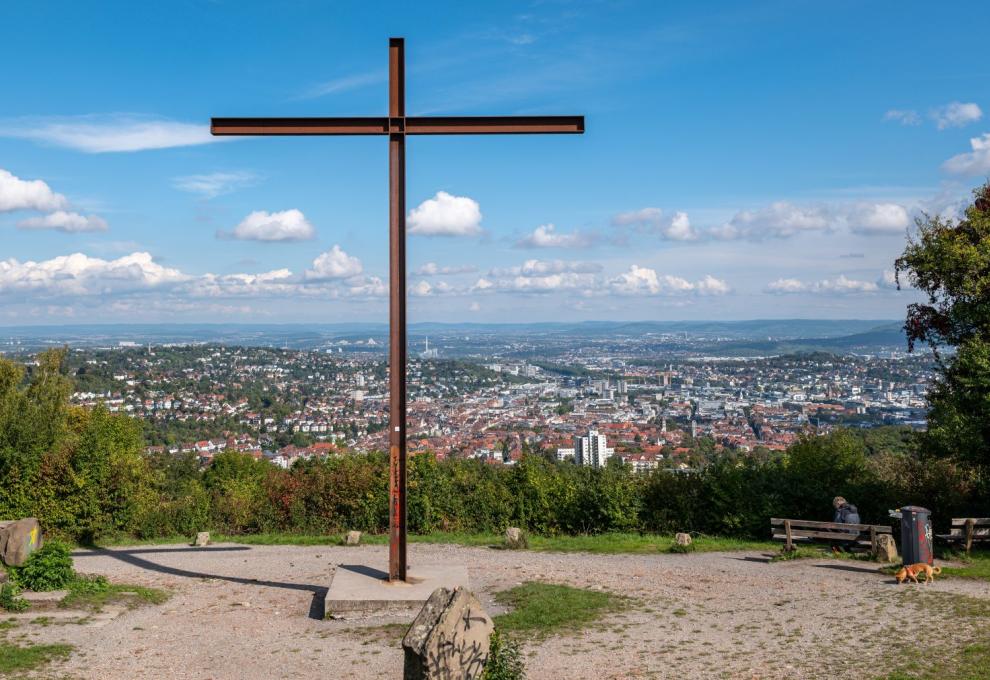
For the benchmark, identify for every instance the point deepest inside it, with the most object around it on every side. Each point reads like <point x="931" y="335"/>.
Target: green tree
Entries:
<point x="949" y="260"/>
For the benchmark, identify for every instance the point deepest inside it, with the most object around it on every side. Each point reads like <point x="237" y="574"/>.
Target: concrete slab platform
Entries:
<point x="358" y="589"/>
<point x="47" y="597"/>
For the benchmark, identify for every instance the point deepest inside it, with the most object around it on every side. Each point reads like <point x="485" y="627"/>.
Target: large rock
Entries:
<point x="515" y="539"/>
<point x="18" y="539"/>
<point x="353" y="538"/>
<point x="683" y="540"/>
<point x="886" y="550"/>
<point x="202" y="539"/>
<point x="450" y="638"/>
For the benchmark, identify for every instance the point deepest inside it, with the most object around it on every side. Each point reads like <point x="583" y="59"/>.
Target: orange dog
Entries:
<point x="912" y="571"/>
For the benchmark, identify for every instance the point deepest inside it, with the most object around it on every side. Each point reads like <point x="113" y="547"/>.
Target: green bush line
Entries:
<point x="609" y="543"/>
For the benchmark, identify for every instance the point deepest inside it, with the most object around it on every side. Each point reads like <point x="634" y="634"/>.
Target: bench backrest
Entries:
<point x="981" y="528"/>
<point x="800" y="526"/>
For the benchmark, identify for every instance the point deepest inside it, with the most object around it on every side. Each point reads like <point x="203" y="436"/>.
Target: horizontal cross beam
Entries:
<point x="418" y="125"/>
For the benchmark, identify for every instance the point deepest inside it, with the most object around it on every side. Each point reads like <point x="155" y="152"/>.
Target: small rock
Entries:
<point x="683" y="540"/>
<point x="202" y="539"/>
<point x="515" y="539"/>
<point x="886" y="549"/>
<point x="353" y="538"/>
<point x="18" y="539"/>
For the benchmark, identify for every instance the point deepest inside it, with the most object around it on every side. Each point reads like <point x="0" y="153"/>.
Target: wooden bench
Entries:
<point x="793" y="531"/>
<point x="968" y="530"/>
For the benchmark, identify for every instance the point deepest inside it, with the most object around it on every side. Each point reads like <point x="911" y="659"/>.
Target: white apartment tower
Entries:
<point x="592" y="450"/>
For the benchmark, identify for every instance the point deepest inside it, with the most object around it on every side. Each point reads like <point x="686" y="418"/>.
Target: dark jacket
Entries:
<point x="847" y="514"/>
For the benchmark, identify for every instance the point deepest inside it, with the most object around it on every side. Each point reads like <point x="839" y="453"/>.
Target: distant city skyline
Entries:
<point x="740" y="162"/>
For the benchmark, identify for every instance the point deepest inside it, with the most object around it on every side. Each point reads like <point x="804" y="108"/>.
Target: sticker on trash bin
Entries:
<point x="928" y="532"/>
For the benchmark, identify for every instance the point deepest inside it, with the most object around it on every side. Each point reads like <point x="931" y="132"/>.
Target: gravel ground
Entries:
<point x="247" y="613"/>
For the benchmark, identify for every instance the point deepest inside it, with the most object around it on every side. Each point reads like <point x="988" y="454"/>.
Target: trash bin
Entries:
<point x="916" y="535"/>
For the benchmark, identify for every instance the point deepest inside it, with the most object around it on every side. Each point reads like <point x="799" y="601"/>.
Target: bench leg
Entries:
<point x="969" y="535"/>
<point x="788" y="542"/>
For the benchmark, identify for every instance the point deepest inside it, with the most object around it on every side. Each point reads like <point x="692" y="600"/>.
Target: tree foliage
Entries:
<point x="81" y="472"/>
<point x="949" y="261"/>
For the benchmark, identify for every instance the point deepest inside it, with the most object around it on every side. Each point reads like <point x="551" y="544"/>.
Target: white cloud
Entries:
<point x="370" y="287"/>
<point x="779" y="220"/>
<point x="474" y="307"/>
<point x="878" y="218"/>
<point x="109" y="133"/>
<point x="545" y="236"/>
<point x="334" y="264"/>
<point x="287" y="225"/>
<point x="541" y="276"/>
<point x="956" y="114"/>
<point x="277" y="282"/>
<point x="903" y="116"/>
<point x="787" y="286"/>
<point x="433" y="269"/>
<point x="20" y="194"/>
<point x="421" y="289"/>
<point x="709" y="285"/>
<point x="638" y="218"/>
<point x="69" y="222"/>
<point x="651" y="220"/>
<point x="679" y="228"/>
<point x="544" y="267"/>
<point x="446" y="215"/>
<point x="645" y="281"/>
<point x="79" y="274"/>
<point x="785" y="220"/>
<point x="840" y="285"/>
<point x="215" y="184"/>
<point x="976" y="162"/>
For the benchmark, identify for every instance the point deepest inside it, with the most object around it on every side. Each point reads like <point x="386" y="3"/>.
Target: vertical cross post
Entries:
<point x="397" y="310"/>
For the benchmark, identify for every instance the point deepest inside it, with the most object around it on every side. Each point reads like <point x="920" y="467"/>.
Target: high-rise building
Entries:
<point x="592" y="450"/>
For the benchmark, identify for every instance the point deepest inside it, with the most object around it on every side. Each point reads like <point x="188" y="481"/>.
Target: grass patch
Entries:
<point x="542" y="609"/>
<point x="14" y="658"/>
<point x="115" y="593"/>
<point x="967" y="654"/>
<point x="976" y="566"/>
<point x="971" y="663"/>
<point x="610" y="543"/>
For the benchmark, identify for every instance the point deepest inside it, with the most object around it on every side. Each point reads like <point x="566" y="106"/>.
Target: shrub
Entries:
<point x="10" y="598"/>
<point x="89" y="585"/>
<point x="504" y="660"/>
<point x="47" y="569"/>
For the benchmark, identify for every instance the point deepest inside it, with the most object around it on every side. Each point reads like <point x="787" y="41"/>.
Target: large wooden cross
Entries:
<point x="396" y="125"/>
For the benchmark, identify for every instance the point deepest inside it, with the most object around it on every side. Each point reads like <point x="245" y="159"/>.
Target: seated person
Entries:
<point x="845" y="513"/>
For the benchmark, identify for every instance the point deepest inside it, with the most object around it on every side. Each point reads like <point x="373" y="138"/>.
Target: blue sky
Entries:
<point x="741" y="160"/>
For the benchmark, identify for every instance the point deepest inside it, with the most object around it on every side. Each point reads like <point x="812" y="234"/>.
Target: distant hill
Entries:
<point x="759" y="336"/>
<point x="883" y="337"/>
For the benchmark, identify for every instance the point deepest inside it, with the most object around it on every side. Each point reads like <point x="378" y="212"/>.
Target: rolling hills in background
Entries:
<point x="731" y="338"/>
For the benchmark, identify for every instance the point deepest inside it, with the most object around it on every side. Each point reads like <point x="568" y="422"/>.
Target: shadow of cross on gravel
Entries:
<point x="131" y="557"/>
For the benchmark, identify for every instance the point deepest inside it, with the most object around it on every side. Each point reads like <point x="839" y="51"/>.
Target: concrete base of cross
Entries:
<point x="360" y="590"/>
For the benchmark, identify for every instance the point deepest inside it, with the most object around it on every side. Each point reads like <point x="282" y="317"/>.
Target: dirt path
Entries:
<point x="242" y="613"/>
